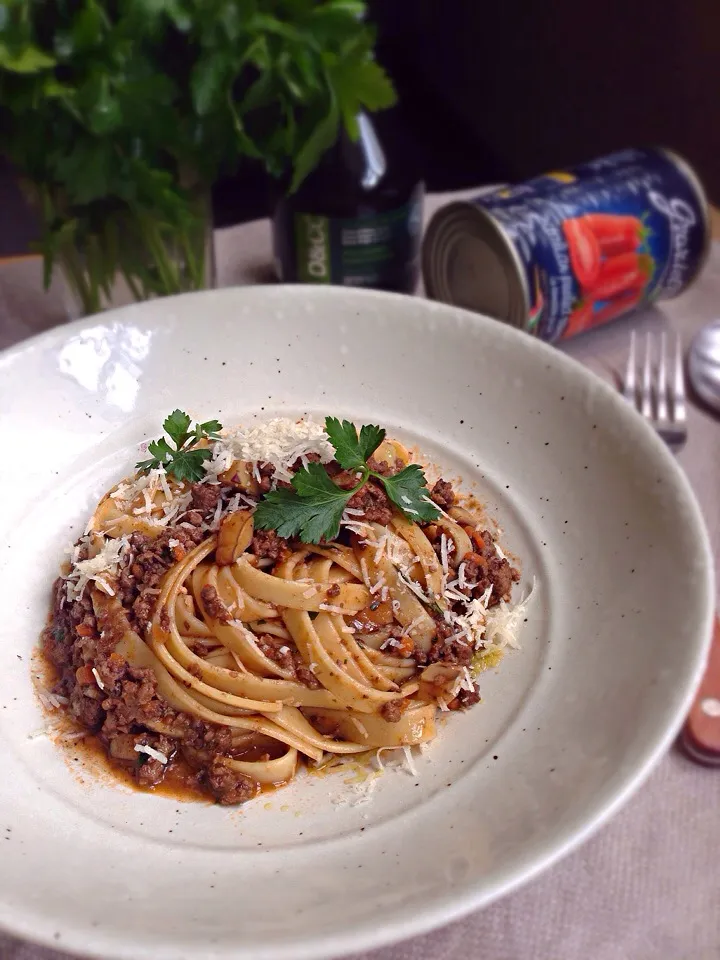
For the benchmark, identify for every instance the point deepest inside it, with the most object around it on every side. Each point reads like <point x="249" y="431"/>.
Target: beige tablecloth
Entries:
<point x="648" y="886"/>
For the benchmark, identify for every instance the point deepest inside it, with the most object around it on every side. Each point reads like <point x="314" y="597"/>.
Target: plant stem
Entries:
<point x="155" y="259"/>
<point x="168" y="272"/>
<point x="77" y="277"/>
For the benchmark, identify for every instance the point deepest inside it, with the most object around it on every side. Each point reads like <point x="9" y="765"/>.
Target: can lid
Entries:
<point x="469" y="261"/>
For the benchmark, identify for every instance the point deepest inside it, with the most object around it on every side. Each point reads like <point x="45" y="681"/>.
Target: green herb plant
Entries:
<point x="312" y="510"/>
<point x="184" y="460"/>
<point x="120" y="115"/>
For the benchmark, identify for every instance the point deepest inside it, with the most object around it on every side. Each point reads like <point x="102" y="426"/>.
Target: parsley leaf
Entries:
<point x="408" y="491"/>
<point x="176" y="427"/>
<point x="312" y="510"/>
<point x="311" y="518"/>
<point x="160" y="449"/>
<point x="210" y="429"/>
<point x="370" y="439"/>
<point x="351" y="452"/>
<point x="188" y="465"/>
<point x="313" y="482"/>
<point x="185" y="461"/>
<point x="348" y="449"/>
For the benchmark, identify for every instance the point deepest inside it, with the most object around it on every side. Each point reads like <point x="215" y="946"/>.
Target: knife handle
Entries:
<point x="701" y="735"/>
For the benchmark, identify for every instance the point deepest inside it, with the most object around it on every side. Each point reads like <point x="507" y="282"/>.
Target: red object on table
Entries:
<point x="701" y="736"/>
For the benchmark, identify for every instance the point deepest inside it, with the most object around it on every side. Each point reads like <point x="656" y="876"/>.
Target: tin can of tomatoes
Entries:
<point x="572" y="250"/>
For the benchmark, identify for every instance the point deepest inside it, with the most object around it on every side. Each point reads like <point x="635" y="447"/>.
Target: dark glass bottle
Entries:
<point x="356" y="220"/>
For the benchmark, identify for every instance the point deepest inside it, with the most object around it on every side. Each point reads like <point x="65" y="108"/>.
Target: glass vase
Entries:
<point x="129" y="256"/>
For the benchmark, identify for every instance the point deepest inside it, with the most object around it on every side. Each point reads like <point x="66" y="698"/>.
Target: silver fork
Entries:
<point x="658" y="394"/>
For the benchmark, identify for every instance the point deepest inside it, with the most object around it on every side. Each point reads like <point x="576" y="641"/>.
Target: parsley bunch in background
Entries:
<point x="120" y="115"/>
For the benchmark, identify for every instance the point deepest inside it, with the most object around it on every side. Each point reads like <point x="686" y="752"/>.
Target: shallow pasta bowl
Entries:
<point x="615" y="639"/>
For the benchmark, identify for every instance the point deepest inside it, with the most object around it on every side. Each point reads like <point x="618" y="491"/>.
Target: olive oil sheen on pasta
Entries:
<point x="355" y="221"/>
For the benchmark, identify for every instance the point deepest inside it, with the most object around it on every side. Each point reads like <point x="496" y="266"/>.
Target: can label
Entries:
<point x="363" y="251"/>
<point x="601" y="238"/>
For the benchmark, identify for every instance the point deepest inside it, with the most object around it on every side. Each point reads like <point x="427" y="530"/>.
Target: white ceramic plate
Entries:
<point x="614" y="643"/>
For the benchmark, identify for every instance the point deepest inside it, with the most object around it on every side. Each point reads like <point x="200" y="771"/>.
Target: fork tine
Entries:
<point x="646" y="386"/>
<point x="679" y="411"/>
<point x="662" y="381"/>
<point x="629" y="381"/>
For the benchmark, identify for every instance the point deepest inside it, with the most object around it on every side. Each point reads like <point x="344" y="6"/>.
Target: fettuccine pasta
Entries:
<point x="184" y="633"/>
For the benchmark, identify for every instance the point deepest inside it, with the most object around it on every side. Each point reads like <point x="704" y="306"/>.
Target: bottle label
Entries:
<point x="374" y="250"/>
<point x="312" y="239"/>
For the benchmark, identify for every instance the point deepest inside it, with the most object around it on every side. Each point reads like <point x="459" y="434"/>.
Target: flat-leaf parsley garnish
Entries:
<point x="185" y="461"/>
<point x="312" y="510"/>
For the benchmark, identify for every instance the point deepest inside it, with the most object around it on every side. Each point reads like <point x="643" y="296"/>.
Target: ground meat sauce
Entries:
<point x="204" y="498"/>
<point x="484" y="567"/>
<point x="487" y="569"/>
<point x="148" y="561"/>
<point x="121" y="704"/>
<point x="384" y="468"/>
<point x="443" y="494"/>
<point x="228" y="786"/>
<point x="267" y="472"/>
<point x="213" y="604"/>
<point x="393" y="710"/>
<point x="449" y="651"/>
<point x="279" y="652"/>
<point x="266" y="544"/>
<point x="374" y="503"/>
<point x="465" y="699"/>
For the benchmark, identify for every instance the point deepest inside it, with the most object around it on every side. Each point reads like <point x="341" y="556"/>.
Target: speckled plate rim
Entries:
<point x="442" y="909"/>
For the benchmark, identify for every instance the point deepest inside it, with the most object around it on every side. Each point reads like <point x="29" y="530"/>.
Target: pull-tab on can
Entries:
<point x="574" y="249"/>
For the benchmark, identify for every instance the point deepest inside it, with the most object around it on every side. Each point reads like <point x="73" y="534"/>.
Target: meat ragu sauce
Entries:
<point x="126" y="711"/>
<point x="180" y="782"/>
<point x="154" y="745"/>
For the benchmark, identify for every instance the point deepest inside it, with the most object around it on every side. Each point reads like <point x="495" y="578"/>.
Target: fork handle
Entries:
<point x="701" y="736"/>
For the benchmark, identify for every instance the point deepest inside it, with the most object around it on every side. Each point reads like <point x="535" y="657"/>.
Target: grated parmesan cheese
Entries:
<point x="361" y="728"/>
<point x="503" y="622"/>
<point x="378" y="585"/>
<point x="106" y="561"/>
<point x="151" y="752"/>
<point x="409" y="760"/>
<point x="365" y="574"/>
<point x="279" y="442"/>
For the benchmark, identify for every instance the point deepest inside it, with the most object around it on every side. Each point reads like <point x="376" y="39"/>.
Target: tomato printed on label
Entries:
<point x="616" y="233"/>
<point x="625" y="271"/>
<point x="618" y="306"/>
<point x="584" y="251"/>
<point x="581" y="318"/>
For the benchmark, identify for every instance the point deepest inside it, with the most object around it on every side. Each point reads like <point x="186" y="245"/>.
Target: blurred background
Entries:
<point x="500" y="92"/>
